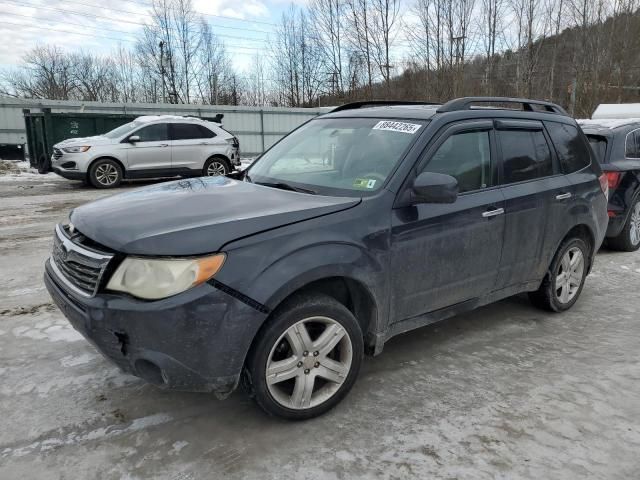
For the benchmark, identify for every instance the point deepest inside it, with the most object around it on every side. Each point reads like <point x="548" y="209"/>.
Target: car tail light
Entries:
<point x="604" y="184"/>
<point x="613" y="179"/>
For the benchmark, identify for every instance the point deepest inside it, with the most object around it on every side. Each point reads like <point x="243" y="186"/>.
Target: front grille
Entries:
<point x="57" y="153"/>
<point x="78" y="266"/>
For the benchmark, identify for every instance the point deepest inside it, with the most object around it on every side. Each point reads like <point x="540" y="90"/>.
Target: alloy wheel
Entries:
<point x="106" y="174"/>
<point x="634" y="230"/>
<point x="216" y="168"/>
<point x="570" y="273"/>
<point x="308" y="363"/>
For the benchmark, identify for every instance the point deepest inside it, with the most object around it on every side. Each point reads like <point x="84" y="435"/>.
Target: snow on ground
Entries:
<point x="245" y="162"/>
<point x="11" y="170"/>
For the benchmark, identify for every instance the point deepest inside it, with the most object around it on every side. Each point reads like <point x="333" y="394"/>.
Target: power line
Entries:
<point x="224" y="35"/>
<point x="253" y="50"/>
<point x="226" y="17"/>
<point x="65" y="31"/>
<point x="115" y="20"/>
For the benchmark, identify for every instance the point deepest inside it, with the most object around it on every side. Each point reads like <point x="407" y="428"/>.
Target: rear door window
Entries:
<point x="525" y="155"/>
<point x="189" y="131"/>
<point x="571" y="148"/>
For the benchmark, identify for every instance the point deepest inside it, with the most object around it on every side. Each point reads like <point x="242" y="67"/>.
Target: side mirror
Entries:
<point x="133" y="139"/>
<point x="429" y="187"/>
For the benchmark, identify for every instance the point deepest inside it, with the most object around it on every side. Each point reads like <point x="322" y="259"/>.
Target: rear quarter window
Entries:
<point x="632" y="144"/>
<point x="570" y="146"/>
<point x="599" y="146"/>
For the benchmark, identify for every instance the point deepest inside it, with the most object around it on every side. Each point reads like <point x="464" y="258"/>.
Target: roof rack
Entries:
<point x="466" y="103"/>
<point x="377" y="103"/>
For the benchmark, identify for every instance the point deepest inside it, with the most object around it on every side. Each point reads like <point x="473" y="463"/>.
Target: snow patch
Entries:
<point x="52" y="331"/>
<point x="71" y="361"/>
<point x="73" y="438"/>
<point x="617" y="110"/>
<point x="607" y="123"/>
<point x="177" y="446"/>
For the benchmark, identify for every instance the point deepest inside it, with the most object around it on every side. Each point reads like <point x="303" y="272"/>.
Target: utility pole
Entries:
<point x="459" y="60"/>
<point x="164" y="100"/>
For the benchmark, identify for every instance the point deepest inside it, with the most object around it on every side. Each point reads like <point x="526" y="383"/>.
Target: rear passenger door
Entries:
<point x="537" y="197"/>
<point x="443" y="254"/>
<point x="189" y="145"/>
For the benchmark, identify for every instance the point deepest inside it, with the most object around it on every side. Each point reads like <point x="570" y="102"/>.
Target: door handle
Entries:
<point x="164" y="145"/>
<point x="493" y="213"/>
<point x="563" y="196"/>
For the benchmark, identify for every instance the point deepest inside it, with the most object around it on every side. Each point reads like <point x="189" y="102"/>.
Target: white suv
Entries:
<point x="150" y="146"/>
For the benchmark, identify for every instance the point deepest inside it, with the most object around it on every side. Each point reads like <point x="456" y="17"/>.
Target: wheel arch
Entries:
<point x="584" y="232"/>
<point x="107" y="157"/>
<point x="348" y="291"/>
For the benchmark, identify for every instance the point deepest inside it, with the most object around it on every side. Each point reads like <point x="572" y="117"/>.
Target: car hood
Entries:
<point x="78" y="142"/>
<point x="195" y="216"/>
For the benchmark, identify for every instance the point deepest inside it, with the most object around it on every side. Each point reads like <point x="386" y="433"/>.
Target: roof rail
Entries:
<point x="465" y="103"/>
<point x="377" y="103"/>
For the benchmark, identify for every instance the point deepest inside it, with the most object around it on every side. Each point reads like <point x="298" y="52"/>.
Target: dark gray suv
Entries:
<point x="364" y="223"/>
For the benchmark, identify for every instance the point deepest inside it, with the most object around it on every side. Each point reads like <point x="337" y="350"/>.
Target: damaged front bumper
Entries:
<point x="195" y="341"/>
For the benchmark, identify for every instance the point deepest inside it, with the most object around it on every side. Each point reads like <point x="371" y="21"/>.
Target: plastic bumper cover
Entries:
<point x="194" y="341"/>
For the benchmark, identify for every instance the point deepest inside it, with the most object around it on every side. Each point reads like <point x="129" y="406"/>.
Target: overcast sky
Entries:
<point x="99" y="26"/>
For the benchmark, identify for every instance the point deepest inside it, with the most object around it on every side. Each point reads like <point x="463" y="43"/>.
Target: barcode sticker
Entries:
<point x="397" y="126"/>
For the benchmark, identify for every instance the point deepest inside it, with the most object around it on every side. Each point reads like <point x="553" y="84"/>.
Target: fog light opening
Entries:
<point x="150" y="372"/>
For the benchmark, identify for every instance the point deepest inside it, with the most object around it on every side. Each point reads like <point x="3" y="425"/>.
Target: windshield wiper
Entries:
<point x="286" y="186"/>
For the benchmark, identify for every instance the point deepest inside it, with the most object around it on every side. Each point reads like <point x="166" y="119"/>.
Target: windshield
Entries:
<point x="122" y="130"/>
<point x="337" y="156"/>
<point x="599" y="146"/>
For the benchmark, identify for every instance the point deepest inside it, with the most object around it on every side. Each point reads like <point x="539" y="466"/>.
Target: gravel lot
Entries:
<point x="504" y="392"/>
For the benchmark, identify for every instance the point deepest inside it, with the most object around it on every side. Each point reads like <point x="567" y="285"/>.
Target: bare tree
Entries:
<point x="297" y="60"/>
<point x="491" y="26"/>
<point x="358" y="22"/>
<point x="384" y="22"/>
<point x="47" y="73"/>
<point x="326" y="19"/>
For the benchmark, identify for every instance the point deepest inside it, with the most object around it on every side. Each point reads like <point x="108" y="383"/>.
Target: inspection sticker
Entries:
<point x="397" y="126"/>
<point x="364" y="183"/>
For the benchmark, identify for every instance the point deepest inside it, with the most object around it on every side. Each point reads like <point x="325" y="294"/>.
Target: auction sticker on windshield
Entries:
<point x="397" y="126"/>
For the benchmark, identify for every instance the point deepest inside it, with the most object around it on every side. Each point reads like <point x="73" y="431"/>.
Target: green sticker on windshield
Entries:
<point x="364" y="183"/>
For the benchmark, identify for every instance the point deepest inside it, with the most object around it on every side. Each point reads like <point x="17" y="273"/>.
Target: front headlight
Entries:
<point x="153" y="279"/>
<point x="76" y="149"/>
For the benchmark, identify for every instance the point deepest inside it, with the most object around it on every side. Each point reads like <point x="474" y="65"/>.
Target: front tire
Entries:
<point x="105" y="173"/>
<point x="629" y="238"/>
<point x="563" y="284"/>
<point x="306" y="359"/>
<point x="216" y="166"/>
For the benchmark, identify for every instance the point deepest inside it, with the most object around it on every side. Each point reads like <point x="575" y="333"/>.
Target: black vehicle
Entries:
<point x="617" y="146"/>
<point x="360" y="225"/>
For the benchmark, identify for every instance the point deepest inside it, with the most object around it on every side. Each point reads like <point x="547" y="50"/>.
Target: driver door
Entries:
<point x="444" y="254"/>
<point x="151" y="153"/>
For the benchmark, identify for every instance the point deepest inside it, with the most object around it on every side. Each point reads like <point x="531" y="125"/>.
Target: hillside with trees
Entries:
<point x="578" y="53"/>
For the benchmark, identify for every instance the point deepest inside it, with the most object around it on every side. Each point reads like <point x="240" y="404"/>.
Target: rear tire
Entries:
<point x="629" y="238"/>
<point x="563" y="284"/>
<point x="216" y="166"/>
<point x="306" y="359"/>
<point x="105" y="173"/>
<point x="44" y="165"/>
